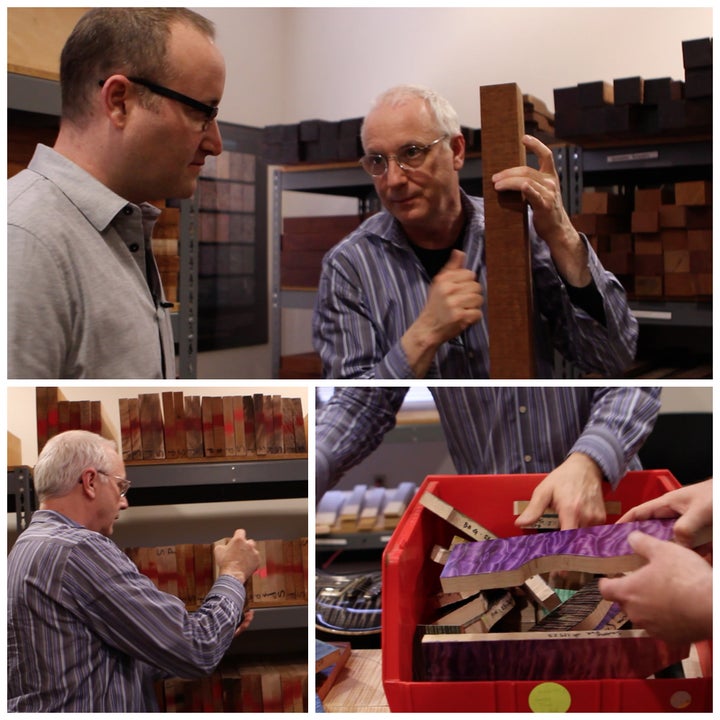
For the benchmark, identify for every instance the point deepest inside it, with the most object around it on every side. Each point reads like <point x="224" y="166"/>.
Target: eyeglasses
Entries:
<point x="410" y="157"/>
<point x="123" y="483"/>
<point x="210" y="111"/>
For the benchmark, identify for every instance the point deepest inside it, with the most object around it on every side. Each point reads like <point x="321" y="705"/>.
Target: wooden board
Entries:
<point x="507" y="562"/>
<point x="509" y="302"/>
<point x="574" y="655"/>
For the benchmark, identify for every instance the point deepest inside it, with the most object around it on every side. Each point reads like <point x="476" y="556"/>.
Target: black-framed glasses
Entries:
<point x="210" y="111"/>
<point x="123" y="483"/>
<point x="409" y="157"/>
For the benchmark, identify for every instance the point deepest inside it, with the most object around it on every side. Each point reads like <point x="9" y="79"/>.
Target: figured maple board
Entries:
<point x="507" y="562"/>
<point x="579" y="655"/>
<point x="509" y="297"/>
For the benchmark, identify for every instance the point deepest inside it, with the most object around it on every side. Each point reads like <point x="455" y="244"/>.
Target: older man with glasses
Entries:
<point x="86" y="631"/>
<point x="401" y="297"/>
<point x="140" y="94"/>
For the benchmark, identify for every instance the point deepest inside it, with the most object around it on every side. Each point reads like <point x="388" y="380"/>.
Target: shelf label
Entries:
<point x="633" y="157"/>
<point x="652" y="314"/>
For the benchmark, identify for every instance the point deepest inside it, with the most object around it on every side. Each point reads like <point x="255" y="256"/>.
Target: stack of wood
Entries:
<point x="330" y="659"/>
<point x="634" y="107"/>
<point x="272" y="685"/>
<point x="659" y="244"/>
<point x="188" y="572"/>
<point x="362" y="509"/>
<point x="166" y="249"/>
<point x="490" y="624"/>
<point x="55" y="414"/>
<point x="304" y="242"/>
<point x="170" y="425"/>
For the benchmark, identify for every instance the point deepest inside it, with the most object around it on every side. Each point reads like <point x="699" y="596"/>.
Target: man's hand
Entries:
<point x="573" y="490"/>
<point x="692" y="505"/>
<point x="453" y="304"/>
<point x="541" y="189"/>
<point x="247" y="618"/>
<point x="238" y="557"/>
<point x="671" y="596"/>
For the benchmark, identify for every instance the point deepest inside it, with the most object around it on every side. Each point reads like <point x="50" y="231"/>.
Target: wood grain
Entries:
<point x="509" y="301"/>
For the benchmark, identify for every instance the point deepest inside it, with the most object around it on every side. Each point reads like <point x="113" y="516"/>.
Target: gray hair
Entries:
<point x="441" y="110"/>
<point x="65" y="456"/>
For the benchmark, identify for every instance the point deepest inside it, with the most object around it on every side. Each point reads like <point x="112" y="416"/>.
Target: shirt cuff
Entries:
<point x="231" y="587"/>
<point x="604" y="448"/>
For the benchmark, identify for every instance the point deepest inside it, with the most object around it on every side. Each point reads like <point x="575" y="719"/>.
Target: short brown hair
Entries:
<point x="132" y="41"/>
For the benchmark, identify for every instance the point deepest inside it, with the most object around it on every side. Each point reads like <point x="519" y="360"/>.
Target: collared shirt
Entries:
<point x="495" y="430"/>
<point x="88" y="633"/>
<point x="373" y="287"/>
<point x="80" y="301"/>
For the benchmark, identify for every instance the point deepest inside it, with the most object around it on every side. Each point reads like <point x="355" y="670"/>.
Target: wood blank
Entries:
<point x="509" y="306"/>
<point x="573" y="655"/>
<point x="507" y="562"/>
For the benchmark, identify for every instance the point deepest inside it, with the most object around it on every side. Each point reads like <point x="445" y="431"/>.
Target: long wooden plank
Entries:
<point x="507" y="562"/>
<point x="574" y="655"/>
<point x="509" y="301"/>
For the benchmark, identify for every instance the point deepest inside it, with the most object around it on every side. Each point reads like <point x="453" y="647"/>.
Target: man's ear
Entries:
<point x="89" y="479"/>
<point x="115" y="95"/>
<point x="457" y="144"/>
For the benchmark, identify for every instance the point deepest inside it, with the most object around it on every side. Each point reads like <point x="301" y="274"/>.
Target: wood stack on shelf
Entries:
<point x="362" y="509"/>
<point x="172" y="426"/>
<point x="659" y="244"/>
<point x="55" y="414"/>
<point x="188" y="571"/>
<point x="237" y="686"/>
<point x="635" y="108"/>
<point x="166" y="249"/>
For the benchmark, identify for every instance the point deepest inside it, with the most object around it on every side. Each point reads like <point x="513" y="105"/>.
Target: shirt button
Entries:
<point x="522" y="409"/>
<point x="134" y="247"/>
<point x="527" y="458"/>
<point x="127" y="210"/>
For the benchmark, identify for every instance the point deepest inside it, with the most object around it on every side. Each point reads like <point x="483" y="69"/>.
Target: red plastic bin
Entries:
<point x="409" y="578"/>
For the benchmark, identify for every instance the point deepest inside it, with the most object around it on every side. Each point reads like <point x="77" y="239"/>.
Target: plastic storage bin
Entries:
<point x="409" y="578"/>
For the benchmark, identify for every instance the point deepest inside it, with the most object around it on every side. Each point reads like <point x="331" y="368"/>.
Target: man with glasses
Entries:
<point x="401" y="296"/>
<point x="87" y="632"/>
<point x="140" y="94"/>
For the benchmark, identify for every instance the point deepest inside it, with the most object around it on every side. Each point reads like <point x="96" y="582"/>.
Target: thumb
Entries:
<point x="610" y="588"/>
<point x="643" y="544"/>
<point x="687" y="525"/>
<point x="456" y="261"/>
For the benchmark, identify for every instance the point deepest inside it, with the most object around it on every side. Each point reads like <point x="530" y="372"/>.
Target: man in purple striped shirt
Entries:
<point x="87" y="632"/>
<point x="401" y="296"/>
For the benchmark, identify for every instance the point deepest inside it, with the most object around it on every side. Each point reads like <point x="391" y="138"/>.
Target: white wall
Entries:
<point x="296" y="63"/>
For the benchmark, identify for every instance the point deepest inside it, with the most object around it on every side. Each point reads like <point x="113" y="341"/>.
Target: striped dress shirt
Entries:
<point x="495" y="430"/>
<point x="88" y="633"/>
<point x="373" y="287"/>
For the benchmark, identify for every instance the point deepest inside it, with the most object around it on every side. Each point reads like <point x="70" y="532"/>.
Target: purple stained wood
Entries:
<point x="514" y="555"/>
<point x="546" y="656"/>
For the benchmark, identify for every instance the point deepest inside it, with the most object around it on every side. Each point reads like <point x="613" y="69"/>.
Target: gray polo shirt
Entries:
<point x="84" y="294"/>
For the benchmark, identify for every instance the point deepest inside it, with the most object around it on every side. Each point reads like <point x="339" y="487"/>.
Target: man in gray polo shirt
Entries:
<point x="140" y="90"/>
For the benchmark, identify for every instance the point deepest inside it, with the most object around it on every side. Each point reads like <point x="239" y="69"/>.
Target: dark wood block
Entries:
<point x="676" y="261"/>
<point x="572" y="655"/>
<point x="618" y="263"/>
<point x="697" y="53"/>
<point x="693" y="192"/>
<point x="700" y="261"/>
<point x="595" y="94"/>
<point x="699" y="83"/>
<point x="604" y="202"/>
<point x="621" y="241"/>
<point x="674" y="239"/>
<point x="680" y="285"/>
<point x="645" y="221"/>
<point x="628" y="91"/>
<point x="649" y="286"/>
<point x="659" y="90"/>
<point x="699" y="217"/>
<point x="673" y="216"/>
<point x="686" y="115"/>
<point x="651" y="245"/>
<point x="509" y="304"/>
<point x="653" y="198"/>
<point x="700" y="239"/>
<point x="648" y="265"/>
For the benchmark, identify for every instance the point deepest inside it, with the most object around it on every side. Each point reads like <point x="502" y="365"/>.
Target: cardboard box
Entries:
<point x="410" y="578"/>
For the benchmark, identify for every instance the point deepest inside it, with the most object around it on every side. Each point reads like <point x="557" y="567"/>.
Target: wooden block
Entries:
<point x="327" y="675"/>
<point x="269" y="417"/>
<point x="459" y="520"/>
<point x="299" y="426"/>
<point x="699" y="217"/>
<point x="700" y="240"/>
<point x="618" y="263"/>
<point x="676" y="261"/>
<point x="276" y="445"/>
<point x="249" y="417"/>
<point x="135" y="433"/>
<point x="659" y="90"/>
<point x="396" y="503"/>
<point x="648" y="285"/>
<point x="680" y="284"/>
<point x="595" y="94"/>
<point x="229" y="426"/>
<point x="628" y="91"/>
<point x="125" y="437"/>
<point x="239" y="425"/>
<point x="327" y="512"/>
<point x="371" y="513"/>
<point x="151" y="426"/>
<point x="697" y="53"/>
<point x="179" y="414"/>
<point x="208" y="432"/>
<point x="621" y="242"/>
<point x="508" y="562"/>
<point x="647" y="265"/>
<point x="700" y="261"/>
<point x="672" y="216"/>
<point x="350" y="511"/>
<point x="573" y="655"/>
<point x="645" y="221"/>
<point x="509" y="303"/>
<point x="653" y="198"/>
<point x="288" y="425"/>
<point x="261" y="438"/>
<point x="169" y="424"/>
<point x="194" y="435"/>
<point x="693" y="192"/>
<point x="549" y="520"/>
<point x="218" y="425"/>
<point x="603" y="202"/>
<point x="648" y="245"/>
<point x="14" y="450"/>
